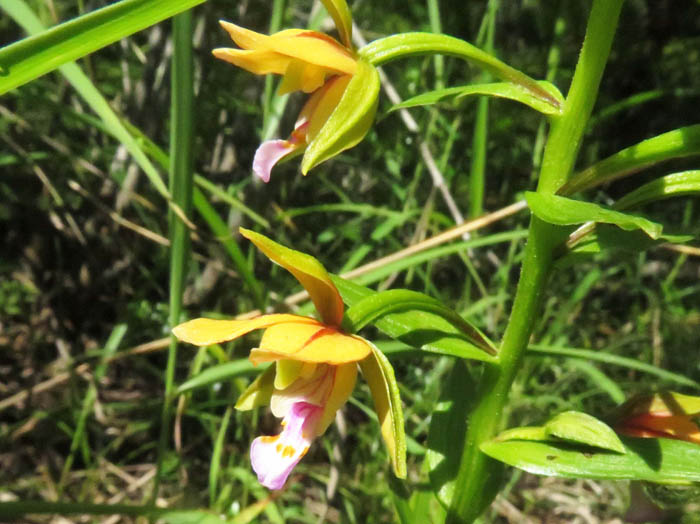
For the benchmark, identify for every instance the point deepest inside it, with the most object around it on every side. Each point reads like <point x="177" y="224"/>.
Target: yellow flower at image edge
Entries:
<point x="314" y="63"/>
<point x="315" y="363"/>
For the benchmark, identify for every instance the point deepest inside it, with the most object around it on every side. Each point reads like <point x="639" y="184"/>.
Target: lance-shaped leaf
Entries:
<point x="308" y="271"/>
<point x="509" y="91"/>
<point x="655" y="460"/>
<point x="571" y="426"/>
<point x="412" y="44"/>
<point x="259" y="392"/>
<point x="674" y="185"/>
<point x="387" y="403"/>
<point x="350" y="120"/>
<point x="219" y="373"/>
<point x="32" y="57"/>
<point x="565" y="211"/>
<point x="340" y="13"/>
<point x="420" y="329"/>
<point x="378" y="305"/>
<point x="678" y="143"/>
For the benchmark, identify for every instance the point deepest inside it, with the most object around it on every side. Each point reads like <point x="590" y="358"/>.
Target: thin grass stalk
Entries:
<point x="478" y="478"/>
<point x="436" y="27"/>
<point x="477" y="173"/>
<point x="181" y="177"/>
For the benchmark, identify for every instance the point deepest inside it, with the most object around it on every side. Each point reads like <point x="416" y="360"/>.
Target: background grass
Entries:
<point x="84" y="271"/>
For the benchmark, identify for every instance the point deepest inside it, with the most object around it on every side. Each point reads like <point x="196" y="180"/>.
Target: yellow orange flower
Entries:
<point x="315" y="363"/>
<point x="311" y="62"/>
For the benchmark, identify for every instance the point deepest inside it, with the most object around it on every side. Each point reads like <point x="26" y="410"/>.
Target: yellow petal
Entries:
<point x="309" y="343"/>
<point x="308" y="271"/>
<point x="245" y="38"/>
<point x="314" y="48"/>
<point x="258" y="62"/>
<point x="207" y="331"/>
<point x="343" y="384"/>
<point x="301" y="76"/>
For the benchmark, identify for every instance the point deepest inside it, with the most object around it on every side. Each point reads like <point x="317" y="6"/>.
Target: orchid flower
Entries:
<point x="661" y="415"/>
<point x="315" y="364"/>
<point x="315" y="63"/>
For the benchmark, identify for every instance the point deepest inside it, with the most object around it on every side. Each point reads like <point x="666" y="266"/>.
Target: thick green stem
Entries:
<point x="478" y="476"/>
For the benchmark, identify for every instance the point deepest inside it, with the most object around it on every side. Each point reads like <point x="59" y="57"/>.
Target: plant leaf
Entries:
<point x="674" y="185"/>
<point x="27" y="59"/>
<point x="308" y="271"/>
<point x="350" y="120"/>
<point x="218" y="373"/>
<point x="581" y="428"/>
<point x="412" y="44"/>
<point x="378" y="305"/>
<point x="654" y="460"/>
<point x="387" y="403"/>
<point x="498" y="89"/>
<point x="678" y="143"/>
<point x="565" y="211"/>
<point x="420" y="329"/>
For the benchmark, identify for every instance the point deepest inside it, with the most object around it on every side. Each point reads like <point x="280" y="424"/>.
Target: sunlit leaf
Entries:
<point x="674" y="185"/>
<point x="655" y="460"/>
<point x="500" y="90"/>
<point x="378" y="305"/>
<point x="32" y="57"/>
<point x="581" y="428"/>
<point x="678" y="143"/>
<point x="412" y="44"/>
<point x="565" y="211"/>
<point x="420" y="329"/>
<point x="219" y="373"/>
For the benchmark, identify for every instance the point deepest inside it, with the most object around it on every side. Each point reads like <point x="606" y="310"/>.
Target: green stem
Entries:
<point x="478" y="477"/>
<point x="181" y="175"/>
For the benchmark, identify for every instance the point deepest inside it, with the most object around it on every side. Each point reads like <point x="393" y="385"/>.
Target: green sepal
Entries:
<point x="340" y="13"/>
<point x="380" y="304"/>
<point x="387" y="403"/>
<point x="564" y="211"/>
<point x="259" y="392"/>
<point x="420" y="329"/>
<point x="350" y="120"/>
<point x="662" y="460"/>
<point x="506" y="90"/>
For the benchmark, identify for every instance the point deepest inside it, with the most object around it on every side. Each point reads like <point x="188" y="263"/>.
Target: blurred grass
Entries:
<point x="635" y="319"/>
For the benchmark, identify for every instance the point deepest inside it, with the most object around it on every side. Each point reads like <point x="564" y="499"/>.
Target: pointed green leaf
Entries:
<point x="565" y="211"/>
<point x="308" y="271"/>
<point x="656" y="460"/>
<point x="378" y="305"/>
<point x="350" y="120"/>
<point x="581" y="428"/>
<point x="218" y="373"/>
<point x="340" y="13"/>
<point x="674" y="185"/>
<point x="678" y="143"/>
<point x="420" y="329"/>
<point x="32" y="57"/>
<point x="259" y="391"/>
<point x="387" y="403"/>
<point x="412" y="44"/>
<point x="499" y="89"/>
<point x="523" y="433"/>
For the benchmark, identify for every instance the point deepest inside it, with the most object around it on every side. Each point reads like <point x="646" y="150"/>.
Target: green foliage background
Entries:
<point x="69" y="273"/>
